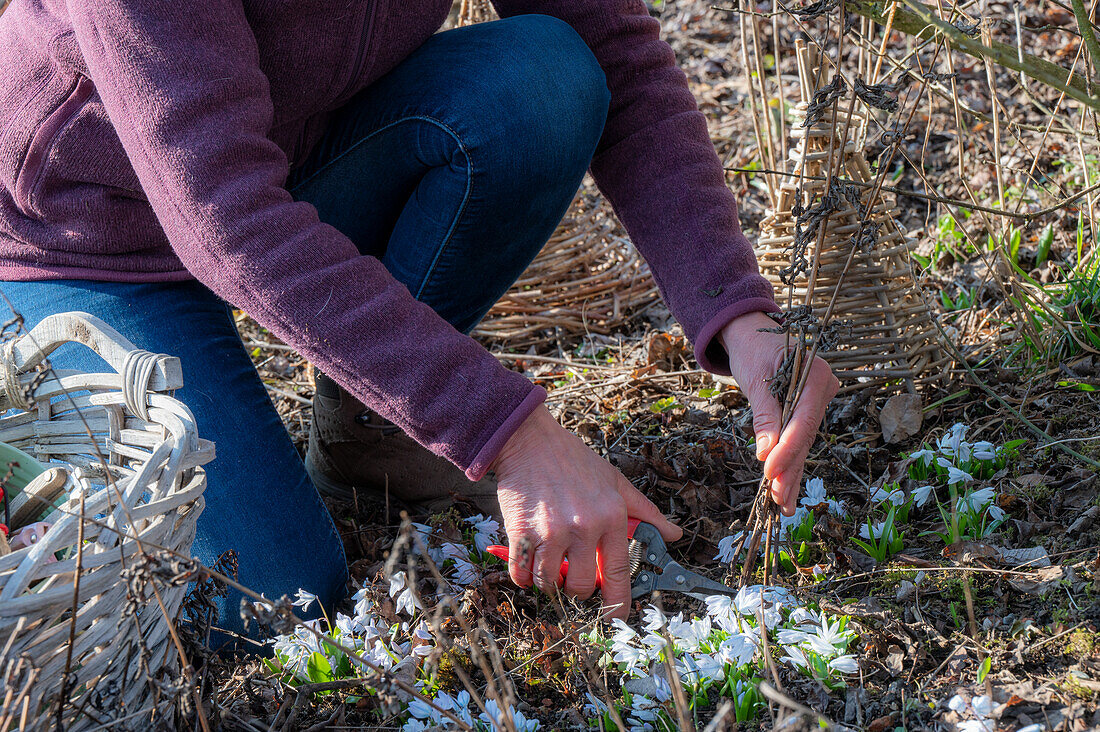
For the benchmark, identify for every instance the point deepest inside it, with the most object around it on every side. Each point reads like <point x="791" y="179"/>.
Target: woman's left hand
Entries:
<point x="755" y="357"/>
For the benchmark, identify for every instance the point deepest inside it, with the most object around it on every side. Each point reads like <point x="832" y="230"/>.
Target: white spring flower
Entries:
<point x="829" y="639"/>
<point x="379" y="654"/>
<point x="846" y="664"/>
<point x="837" y="508"/>
<point x="956" y="476"/>
<point x="304" y="599"/>
<point x="486" y="531"/>
<point x="364" y="607"/>
<point x="787" y="523"/>
<point x="402" y="594"/>
<point x="795" y="657"/>
<point x="922" y="494"/>
<point x="737" y="650"/>
<point x="976" y="500"/>
<point x="654" y="619"/>
<point x="495" y="718"/>
<point x="720" y="606"/>
<point x="457" y="705"/>
<point x="455" y="551"/>
<point x="419" y="709"/>
<point x="654" y="644"/>
<point x="594" y="707"/>
<point x="292" y="653"/>
<point x="349" y="630"/>
<point x="424" y="534"/>
<point x="691" y="635"/>
<point x="624" y="634"/>
<point x="634" y="658"/>
<point x="954" y="444"/>
<point x="643" y="711"/>
<point x="984" y="450"/>
<point x="748" y="599"/>
<point x="804" y="615"/>
<point x="896" y="496"/>
<point x="876" y="530"/>
<point x="424" y="640"/>
<point x="463" y="573"/>
<point x="701" y="668"/>
<point x="815" y="493"/>
<point x="924" y="456"/>
<point x="727" y="546"/>
<point x="792" y="636"/>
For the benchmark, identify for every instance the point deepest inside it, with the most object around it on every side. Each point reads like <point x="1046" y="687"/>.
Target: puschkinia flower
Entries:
<point x="876" y="530"/>
<point x="954" y="444"/>
<point x="922" y="494"/>
<point x="304" y="599"/>
<point x="978" y="501"/>
<point x="984" y="451"/>
<point x="956" y="476"/>
<point x="403" y="594"/>
<point x="844" y="664"/>
<point x="486" y="531"/>
<point x="495" y="717"/>
<point x="923" y="456"/>
<point x="654" y="619"/>
<point x="896" y="496"/>
<point x="814" y="494"/>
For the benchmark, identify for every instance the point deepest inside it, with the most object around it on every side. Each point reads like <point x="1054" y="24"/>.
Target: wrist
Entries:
<point x="524" y="438"/>
<point x="744" y="328"/>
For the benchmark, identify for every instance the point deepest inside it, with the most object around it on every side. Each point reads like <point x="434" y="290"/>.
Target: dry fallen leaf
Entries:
<point x="901" y="417"/>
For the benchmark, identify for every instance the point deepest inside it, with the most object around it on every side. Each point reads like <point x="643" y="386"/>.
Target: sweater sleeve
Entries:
<point x="184" y="90"/>
<point x="657" y="166"/>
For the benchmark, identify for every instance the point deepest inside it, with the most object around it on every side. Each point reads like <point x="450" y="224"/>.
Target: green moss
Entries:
<point x="1081" y="643"/>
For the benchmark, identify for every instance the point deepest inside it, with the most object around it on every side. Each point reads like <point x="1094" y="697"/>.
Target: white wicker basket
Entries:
<point x="128" y="449"/>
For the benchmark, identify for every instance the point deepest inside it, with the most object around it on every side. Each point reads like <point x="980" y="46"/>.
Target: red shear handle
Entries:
<point x="501" y="552"/>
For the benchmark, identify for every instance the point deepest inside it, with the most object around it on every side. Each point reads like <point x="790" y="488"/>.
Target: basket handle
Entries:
<point x="158" y="372"/>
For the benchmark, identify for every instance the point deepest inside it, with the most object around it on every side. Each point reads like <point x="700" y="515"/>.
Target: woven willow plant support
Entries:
<point x="892" y="336"/>
<point x="124" y="446"/>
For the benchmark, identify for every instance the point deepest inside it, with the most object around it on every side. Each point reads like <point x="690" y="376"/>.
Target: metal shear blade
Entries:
<point x="663" y="572"/>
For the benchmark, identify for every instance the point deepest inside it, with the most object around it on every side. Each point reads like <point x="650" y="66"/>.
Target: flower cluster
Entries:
<point x="461" y="566"/>
<point x="950" y="468"/>
<point x="425" y="717"/>
<point x="795" y="530"/>
<point x="304" y="656"/>
<point x="721" y="653"/>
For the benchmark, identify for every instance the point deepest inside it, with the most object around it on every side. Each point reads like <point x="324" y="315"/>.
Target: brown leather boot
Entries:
<point x="353" y="450"/>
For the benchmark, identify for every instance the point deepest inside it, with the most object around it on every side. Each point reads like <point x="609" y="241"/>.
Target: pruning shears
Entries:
<point x="651" y="567"/>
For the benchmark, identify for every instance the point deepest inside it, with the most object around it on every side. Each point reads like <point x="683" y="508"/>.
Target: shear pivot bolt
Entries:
<point x="680" y="579"/>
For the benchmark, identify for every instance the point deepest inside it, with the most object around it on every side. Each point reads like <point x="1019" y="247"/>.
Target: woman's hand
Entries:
<point x="755" y="357"/>
<point x="560" y="501"/>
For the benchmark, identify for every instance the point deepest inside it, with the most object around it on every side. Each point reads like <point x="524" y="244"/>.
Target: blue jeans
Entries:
<point x="453" y="197"/>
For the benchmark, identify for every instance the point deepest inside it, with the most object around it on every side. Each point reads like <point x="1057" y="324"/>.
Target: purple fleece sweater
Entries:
<point x="144" y="140"/>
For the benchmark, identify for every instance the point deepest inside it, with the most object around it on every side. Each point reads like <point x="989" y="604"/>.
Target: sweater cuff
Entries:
<point x="709" y="351"/>
<point x="492" y="448"/>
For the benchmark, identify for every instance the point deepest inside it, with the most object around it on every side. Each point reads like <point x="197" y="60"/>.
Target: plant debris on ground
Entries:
<point x="942" y="569"/>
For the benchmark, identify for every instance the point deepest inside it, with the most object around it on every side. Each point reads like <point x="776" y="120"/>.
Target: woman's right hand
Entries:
<point x="561" y="501"/>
